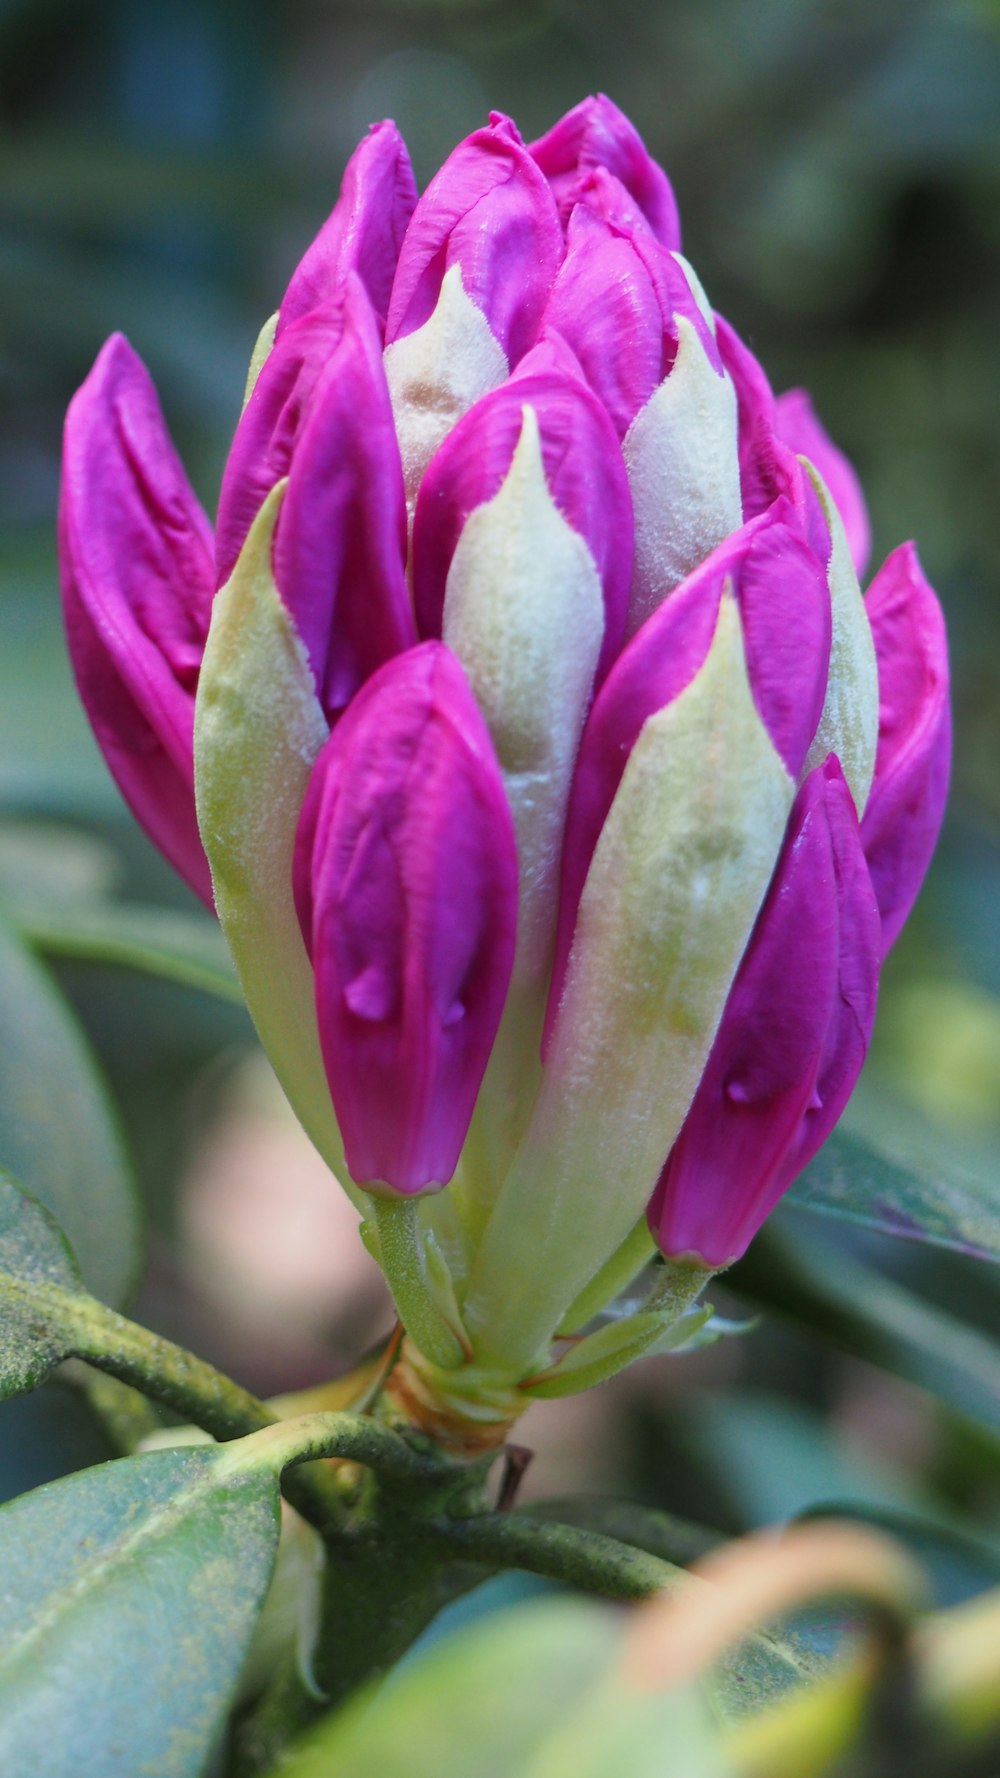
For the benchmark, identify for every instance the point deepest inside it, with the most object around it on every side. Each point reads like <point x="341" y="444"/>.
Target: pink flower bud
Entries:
<point x="797" y="425"/>
<point x="595" y="134"/>
<point x="364" y="232"/>
<point x="340" y="545"/>
<point x="617" y="284"/>
<point x="785" y="615"/>
<point x="490" y="212"/>
<point x="912" y="764"/>
<point x="792" y="1039"/>
<point x="583" y="467"/>
<point x="406" y="887"/>
<point x="136" y="567"/>
<point x="268" y="431"/>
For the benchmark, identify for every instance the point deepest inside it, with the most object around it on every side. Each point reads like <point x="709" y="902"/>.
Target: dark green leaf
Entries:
<point x="38" y="1280"/>
<point x="57" y="1132"/>
<point x="129" y="1596"/>
<point x="852" y="1180"/>
<point x="827" y="1290"/>
<point x="185" y="948"/>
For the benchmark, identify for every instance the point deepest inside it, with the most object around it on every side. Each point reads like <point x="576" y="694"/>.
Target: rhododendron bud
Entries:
<point x="137" y="571"/>
<point x="561" y="790"/>
<point x="791" y="1041"/>
<point x="907" y="801"/>
<point x="406" y="886"/>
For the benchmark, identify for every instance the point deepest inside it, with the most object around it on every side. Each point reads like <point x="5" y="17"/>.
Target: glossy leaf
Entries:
<point x="130" y="1594"/>
<point x="57" y="1130"/>
<point x="856" y="1182"/>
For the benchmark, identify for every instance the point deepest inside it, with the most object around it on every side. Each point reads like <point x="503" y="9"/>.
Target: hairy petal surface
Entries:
<point x="137" y="575"/>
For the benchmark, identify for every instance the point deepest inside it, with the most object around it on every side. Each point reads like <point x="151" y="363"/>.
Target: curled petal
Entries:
<point x="595" y="134"/>
<point x="792" y="1039"/>
<point x="406" y="888"/>
<point x="584" y="473"/>
<point x="616" y="285"/>
<point x="363" y="233"/>
<point x="490" y="212"/>
<point x="137" y="576"/>
<point x="913" y="759"/>
<point x="340" y="545"/>
<point x="262" y="449"/>
<point x="784" y="610"/>
<point x="797" y="425"/>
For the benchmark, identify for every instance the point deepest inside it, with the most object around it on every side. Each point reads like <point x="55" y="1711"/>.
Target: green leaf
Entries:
<point x="37" y="1274"/>
<point x="129" y="1596"/>
<point x="854" y="1181"/>
<point x="187" y="949"/>
<point x="57" y="1132"/>
<point x="53" y="862"/>
<point x="477" y="1705"/>
<point x="822" y="1287"/>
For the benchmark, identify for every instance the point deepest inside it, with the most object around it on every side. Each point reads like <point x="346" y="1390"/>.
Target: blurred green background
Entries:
<point x="162" y="165"/>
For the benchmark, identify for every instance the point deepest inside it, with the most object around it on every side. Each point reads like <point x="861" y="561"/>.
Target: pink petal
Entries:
<point x="363" y="233"/>
<point x="269" y="426"/>
<point x="595" y="134"/>
<point x="136" y="569"/>
<point x="792" y="1038"/>
<point x="584" y="470"/>
<point x="785" y="612"/>
<point x="797" y="425"/>
<point x="406" y="888"/>
<point x="340" y="545"/>
<point x="906" y="806"/>
<point x="490" y="211"/>
<point x="619" y="285"/>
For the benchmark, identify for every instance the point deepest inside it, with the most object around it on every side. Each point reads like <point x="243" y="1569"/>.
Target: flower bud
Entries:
<point x="364" y="232"/>
<point x="792" y="1038"/>
<point x="136" y="567"/>
<point x="476" y="265"/>
<point x="595" y="134"/>
<point x="406" y="888"/>
<point x="913" y="761"/>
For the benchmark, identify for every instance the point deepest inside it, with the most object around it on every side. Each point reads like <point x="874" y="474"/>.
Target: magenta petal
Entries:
<point x="136" y="567"/>
<point x="602" y="296"/>
<point x="490" y="211"/>
<point x="584" y="470"/>
<point x="785" y="607"/>
<point x="364" y="231"/>
<point x="596" y="134"/>
<point x="406" y="887"/>
<point x="340" y="545"/>
<point x="797" y="425"/>
<point x="792" y="1038"/>
<point x="912" y="764"/>
<point x="261" y="451"/>
<point x="785" y="614"/>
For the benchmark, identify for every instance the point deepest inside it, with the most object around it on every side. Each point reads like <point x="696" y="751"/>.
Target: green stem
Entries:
<point x="402" y="1258"/>
<point x="197" y="1391"/>
<point x="635" y="1251"/>
<point x="577" y="1558"/>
